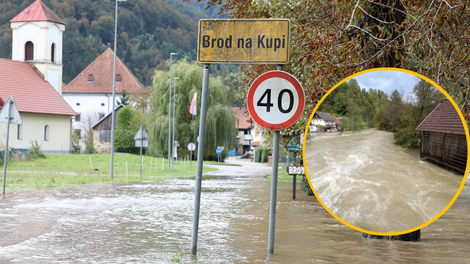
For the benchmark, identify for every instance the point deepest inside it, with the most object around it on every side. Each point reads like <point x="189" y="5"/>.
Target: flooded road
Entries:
<point x="150" y="222"/>
<point x="373" y="184"/>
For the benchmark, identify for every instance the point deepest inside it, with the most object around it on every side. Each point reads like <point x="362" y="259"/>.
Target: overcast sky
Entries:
<point x="388" y="81"/>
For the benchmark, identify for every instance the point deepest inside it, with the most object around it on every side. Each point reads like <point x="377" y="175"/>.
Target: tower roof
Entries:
<point x="98" y="77"/>
<point x="37" y="11"/>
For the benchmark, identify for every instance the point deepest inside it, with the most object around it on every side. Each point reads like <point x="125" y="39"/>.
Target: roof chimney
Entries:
<point x="97" y="55"/>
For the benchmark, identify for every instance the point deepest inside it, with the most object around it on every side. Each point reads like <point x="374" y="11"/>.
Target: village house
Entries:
<point x="322" y="122"/>
<point x="249" y="133"/>
<point x="443" y="138"/>
<point x="34" y="79"/>
<point x="90" y="93"/>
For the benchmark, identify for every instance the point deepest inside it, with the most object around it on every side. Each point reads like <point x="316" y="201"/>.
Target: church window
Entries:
<point x="118" y="78"/>
<point x="19" y="136"/>
<point x="53" y="52"/>
<point x="46" y="133"/>
<point x="90" y="78"/>
<point x="29" y="51"/>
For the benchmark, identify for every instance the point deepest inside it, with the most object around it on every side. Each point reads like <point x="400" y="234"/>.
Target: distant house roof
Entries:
<point x="32" y="94"/>
<point x="98" y="77"/>
<point x="325" y="116"/>
<point x="243" y="118"/>
<point x="444" y="118"/>
<point x="337" y="120"/>
<point x="108" y="116"/>
<point x="37" y="11"/>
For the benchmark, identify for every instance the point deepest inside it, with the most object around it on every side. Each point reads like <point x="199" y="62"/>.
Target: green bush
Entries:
<point x="258" y="153"/>
<point x="264" y="155"/>
<point x="89" y="148"/>
<point x="35" y="152"/>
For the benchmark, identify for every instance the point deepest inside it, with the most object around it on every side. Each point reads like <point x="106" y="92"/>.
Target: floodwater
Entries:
<point x="151" y="222"/>
<point x="371" y="183"/>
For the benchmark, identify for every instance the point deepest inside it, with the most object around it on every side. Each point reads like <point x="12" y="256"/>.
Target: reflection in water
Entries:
<point x="371" y="183"/>
<point x="151" y="223"/>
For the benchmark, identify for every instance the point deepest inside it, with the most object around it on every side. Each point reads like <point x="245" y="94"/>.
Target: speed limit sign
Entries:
<point x="276" y="100"/>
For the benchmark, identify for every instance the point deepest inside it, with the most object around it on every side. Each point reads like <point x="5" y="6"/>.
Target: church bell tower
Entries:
<point x="37" y="38"/>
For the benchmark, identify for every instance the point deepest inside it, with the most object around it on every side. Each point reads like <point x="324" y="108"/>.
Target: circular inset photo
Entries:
<point x="385" y="151"/>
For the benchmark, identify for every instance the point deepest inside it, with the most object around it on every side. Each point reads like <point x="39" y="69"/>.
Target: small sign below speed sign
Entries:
<point x="276" y="100"/>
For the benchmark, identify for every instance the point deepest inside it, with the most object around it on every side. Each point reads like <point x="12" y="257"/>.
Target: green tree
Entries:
<point x="126" y="130"/>
<point x="125" y="98"/>
<point x="220" y="119"/>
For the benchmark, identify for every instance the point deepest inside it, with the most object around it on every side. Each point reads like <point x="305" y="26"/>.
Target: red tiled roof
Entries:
<point x="32" y="94"/>
<point x="444" y="118"/>
<point x="102" y="70"/>
<point x="336" y="120"/>
<point x="37" y="11"/>
<point x="243" y="118"/>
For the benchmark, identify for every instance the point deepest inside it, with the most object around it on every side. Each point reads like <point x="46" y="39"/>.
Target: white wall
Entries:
<point x="53" y="77"/>
<point x="90" y="106"/>
<point x="54" y="36"/>
<point x="28" y="32"/>
<point x="33" y="130"/>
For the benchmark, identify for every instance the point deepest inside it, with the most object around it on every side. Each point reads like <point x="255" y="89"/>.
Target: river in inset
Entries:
<point x="371" y="183"/>
<point x="150" y="222"/>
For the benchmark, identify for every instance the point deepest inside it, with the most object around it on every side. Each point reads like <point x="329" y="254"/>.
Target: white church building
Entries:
<point x="34" y="79"/>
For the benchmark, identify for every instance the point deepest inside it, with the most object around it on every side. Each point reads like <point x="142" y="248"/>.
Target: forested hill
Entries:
<point x="148" y="31"/>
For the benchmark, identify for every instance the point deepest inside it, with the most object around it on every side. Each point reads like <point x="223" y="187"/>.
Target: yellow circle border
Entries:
<point x="464" y="179"/>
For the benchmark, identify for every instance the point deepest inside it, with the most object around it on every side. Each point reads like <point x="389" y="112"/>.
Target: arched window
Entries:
<point x="29" y="51"/>
<point x="53" y="52"/>
<point x="46" y="133"/>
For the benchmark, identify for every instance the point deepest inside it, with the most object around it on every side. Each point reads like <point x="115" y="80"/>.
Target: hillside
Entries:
<point x="148" y="31"/>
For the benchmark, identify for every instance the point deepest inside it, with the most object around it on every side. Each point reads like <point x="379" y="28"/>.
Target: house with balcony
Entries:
<point x="323" y="122"/>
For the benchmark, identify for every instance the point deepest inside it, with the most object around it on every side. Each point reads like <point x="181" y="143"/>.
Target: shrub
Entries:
<point x="264" y="155"/>
<point x="258" y="153"/>
<point x="35" y="152"/>
<point x="89" y="148"/>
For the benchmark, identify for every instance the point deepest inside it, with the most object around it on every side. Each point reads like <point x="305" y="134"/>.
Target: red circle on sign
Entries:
<point x="298" y="108"/>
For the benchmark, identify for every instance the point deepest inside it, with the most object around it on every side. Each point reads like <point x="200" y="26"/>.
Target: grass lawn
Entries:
<point x="283" y="176"/>
<point x="64" y="170"/>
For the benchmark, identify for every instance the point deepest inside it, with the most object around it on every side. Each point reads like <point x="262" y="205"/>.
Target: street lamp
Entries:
<point x="113" y="117"/>
<point x="174" y="114"/>
<point x="169" y="118"/>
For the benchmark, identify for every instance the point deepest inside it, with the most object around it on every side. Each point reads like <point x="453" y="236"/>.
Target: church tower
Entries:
<point x="37" y="39"/>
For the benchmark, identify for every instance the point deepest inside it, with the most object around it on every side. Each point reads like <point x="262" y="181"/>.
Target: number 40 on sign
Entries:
<point x="276" y="100"/>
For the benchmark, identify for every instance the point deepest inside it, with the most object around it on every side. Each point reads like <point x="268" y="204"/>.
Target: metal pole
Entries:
<point x="272" y="210"/>
<point x="272" y="207"/>
<point x="295" y="177"/>
<point x="113" y="117"/>
<point x="6" y="150"/>
<point x="141" y="144"/>
<point x="170" y="149"/>
<point x="174" y="117"/>
<point x="195" y="132"/>
<point x="200" y="156"/>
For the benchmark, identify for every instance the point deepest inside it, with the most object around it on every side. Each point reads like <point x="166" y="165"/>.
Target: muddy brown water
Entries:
<point x="151" y="222"/>
<point x="373" y="184"/>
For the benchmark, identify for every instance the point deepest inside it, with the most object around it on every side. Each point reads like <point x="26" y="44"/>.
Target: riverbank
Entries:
<point x="58" y="170"/>
<point x="374" y="184"/>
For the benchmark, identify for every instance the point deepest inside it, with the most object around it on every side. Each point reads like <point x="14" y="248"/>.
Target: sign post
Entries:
<point x="141" y="140"/>
<point x="219" y="151"/>
<point x="191" y="147"/>
<point x="294" y="171"/>
<point x="276" y="100"/>
<point x="250" y="41"/>
<point x="8" y="114"/>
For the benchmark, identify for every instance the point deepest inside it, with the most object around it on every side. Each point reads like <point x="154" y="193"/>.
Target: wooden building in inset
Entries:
<point x="443" y="137"/>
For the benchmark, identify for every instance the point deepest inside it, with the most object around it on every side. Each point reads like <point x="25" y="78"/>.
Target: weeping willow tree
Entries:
<point x="220" y="119"/>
